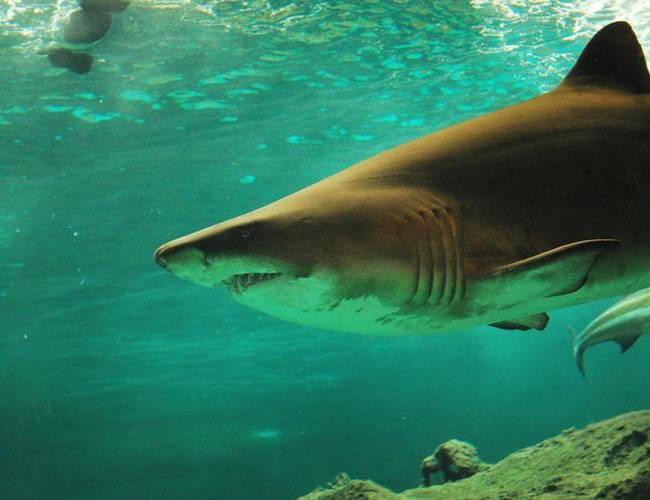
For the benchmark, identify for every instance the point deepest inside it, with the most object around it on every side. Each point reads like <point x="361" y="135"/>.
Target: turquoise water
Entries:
<point x="118" y="380"/>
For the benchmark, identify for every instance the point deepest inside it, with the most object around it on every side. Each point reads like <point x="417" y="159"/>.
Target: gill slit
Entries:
<point x="421" y="226"/>
<point x="412" y="225"/>
<point x="439" y="270"/>
<point x="451" y="262"/>
<point x="428" y="253"/>
<point x="416" y="285"/>
<point x="439" y="273"/>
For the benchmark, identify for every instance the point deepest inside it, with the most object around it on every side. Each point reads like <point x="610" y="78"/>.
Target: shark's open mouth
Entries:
<point x="240" y="282"/>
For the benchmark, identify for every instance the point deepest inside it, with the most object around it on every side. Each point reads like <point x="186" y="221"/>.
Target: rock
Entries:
<point x="66" y="58"/>
<point x="454" y="459"/>
<point x="104" y="5"/>
<point x="344" y="488"/>
<point x="86" y="27"/>
<point x="608" y="460"/>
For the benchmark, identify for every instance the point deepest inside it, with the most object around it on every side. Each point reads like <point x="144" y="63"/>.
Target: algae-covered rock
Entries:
<point x="455" y="459"/>
<point x="608" y="459"/>
<point x="344" y="488"/>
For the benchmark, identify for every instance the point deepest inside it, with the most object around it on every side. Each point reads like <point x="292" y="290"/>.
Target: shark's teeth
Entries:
<point x="239" y="282"/>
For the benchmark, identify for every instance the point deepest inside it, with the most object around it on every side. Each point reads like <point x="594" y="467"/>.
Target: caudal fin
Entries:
<point x="579" y="354"/>
<point x="627" y="342"/>
<point x="578" y="351"/>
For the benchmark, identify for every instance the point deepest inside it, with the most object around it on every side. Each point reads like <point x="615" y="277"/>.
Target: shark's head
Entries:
<point x="303" y="256"/>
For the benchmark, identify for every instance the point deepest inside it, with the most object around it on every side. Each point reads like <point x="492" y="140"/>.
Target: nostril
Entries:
<point x="181" y="258"/>
<point x="177" y="253"/>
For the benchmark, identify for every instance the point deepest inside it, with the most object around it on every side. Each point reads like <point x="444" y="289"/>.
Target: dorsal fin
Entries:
<point x="613" y="57"/>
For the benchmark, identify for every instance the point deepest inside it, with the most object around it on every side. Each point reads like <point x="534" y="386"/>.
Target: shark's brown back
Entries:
<point x="573" y="164"/>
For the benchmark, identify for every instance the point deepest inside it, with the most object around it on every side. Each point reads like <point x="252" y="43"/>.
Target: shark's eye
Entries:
<point x="249" y="230"/>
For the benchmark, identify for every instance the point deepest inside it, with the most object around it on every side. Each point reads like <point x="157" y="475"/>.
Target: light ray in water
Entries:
<point x="267" y="434"/>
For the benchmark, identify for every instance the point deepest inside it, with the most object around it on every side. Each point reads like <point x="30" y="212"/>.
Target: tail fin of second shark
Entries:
<point x="578" y="351"/>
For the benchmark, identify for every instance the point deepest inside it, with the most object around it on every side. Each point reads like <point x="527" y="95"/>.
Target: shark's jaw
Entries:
<point x="314" y="297"/>
<point x="239" y="283"/>
<point x="237" y="274"/>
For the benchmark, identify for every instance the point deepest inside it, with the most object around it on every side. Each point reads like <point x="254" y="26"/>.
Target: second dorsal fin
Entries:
<point x="613" y="57"/>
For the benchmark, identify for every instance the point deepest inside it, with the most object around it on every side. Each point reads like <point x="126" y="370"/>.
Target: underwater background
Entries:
<point x="118" y="380"/>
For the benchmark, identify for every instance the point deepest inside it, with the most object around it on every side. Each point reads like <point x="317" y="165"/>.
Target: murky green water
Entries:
<point x="119" y="381"/>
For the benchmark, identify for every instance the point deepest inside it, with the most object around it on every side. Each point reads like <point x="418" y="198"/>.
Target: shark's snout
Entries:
<point x="206" y="258"/>
<point x="172" y="252"/>
<point x="184" y="260"/>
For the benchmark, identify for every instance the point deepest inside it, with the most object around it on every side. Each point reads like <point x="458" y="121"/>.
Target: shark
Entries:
<point x="493" y="221"/>
<point x="623" y="323"/>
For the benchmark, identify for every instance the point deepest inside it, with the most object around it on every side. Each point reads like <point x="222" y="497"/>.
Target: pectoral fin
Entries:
<point x="559" y="271"/>
<point x="536" y="321"/>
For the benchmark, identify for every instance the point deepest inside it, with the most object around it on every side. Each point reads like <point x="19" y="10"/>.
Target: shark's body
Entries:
<point x="534" y="207"/>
